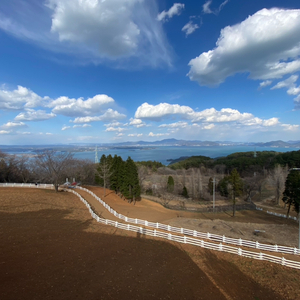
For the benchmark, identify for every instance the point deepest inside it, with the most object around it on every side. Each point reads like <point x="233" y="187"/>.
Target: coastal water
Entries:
<point x="163" y="153"/>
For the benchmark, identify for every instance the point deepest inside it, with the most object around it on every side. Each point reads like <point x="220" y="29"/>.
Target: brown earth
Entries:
<point x="51" y="249"/>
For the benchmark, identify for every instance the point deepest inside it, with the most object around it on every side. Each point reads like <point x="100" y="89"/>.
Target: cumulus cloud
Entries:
<point x="80" y="107"/>
<point x="266" y="45"/>
<point x="20" y="98"/>
<point x="176" y="9"/>
<point x="108" y="116"/>
<point x="189" y="28"/>
<point x="138" y="123"/>
<point x="118" y="129"/>
<point x="34" y="115"/>
<point x="91" y="30"/>
<point x="65" y="127"/>
<point x="162" y="110"/>
<point x="13" y="125"/>
<point x="206" y="116"/>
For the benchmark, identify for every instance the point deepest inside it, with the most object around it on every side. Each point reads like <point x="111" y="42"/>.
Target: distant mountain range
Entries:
<point x="175" y="142"/>
<point x="142" y="144"/>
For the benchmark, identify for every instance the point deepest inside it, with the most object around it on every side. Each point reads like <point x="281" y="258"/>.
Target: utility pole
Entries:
<point x="214" y="193"/>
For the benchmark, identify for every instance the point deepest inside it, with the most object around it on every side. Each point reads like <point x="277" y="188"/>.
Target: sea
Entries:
<point x="164" y="154"/>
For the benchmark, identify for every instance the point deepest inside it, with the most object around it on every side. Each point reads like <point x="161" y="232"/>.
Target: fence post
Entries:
<point x="283" y="261"/>
<point x="240" y="242"/>
<point x="220" y="247"/>
<point x="240" y="252"/>
<point x="223" y="239"/>
<point x="154" y="232"/>
<point x="184" y="239"/>
<point x="257" y="245"/>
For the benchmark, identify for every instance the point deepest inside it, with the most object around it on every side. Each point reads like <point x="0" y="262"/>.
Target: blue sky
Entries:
<point x="101" y="71"/>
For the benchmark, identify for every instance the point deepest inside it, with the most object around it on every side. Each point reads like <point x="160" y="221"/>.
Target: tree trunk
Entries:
<point x="288" y="212"/>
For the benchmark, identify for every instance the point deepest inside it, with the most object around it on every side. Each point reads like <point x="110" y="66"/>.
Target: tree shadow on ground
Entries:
<point x="46" y="256"/>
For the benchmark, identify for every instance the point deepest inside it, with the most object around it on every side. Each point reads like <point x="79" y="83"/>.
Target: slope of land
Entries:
<point x="51" y="249"/>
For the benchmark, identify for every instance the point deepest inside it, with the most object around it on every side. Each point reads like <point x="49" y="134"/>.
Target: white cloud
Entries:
<point x="13" y="125"/>
<point x="118" y="129"/>
<point x="162" y="110"/>
<point x="176" y="9"/>
<point x="297" y="102"/>
<point x="157" y="134"/>
<point x="189" y="28"/>
<point x="207" y="10"/>
<point x="80" y="107"/>
<point x="206" y="7"/>
<point x="135" y="134"/>
<point x="4" y="132"/>
<point x="206" y="116"/>
<point x="138" y="123"/>
<point x="66" y="127"/>
<point x="34" y="115"/>
<point x="290" y="127"/>
<point x="120" y="134"/>
<point x="179" y="124"/>
<point x="210" y="126"/>
<point x="49" y="133"/>
<point x="82" y="126"/>
<point x="91" y="30"/>
<point x="270" y="122"/>
<point x="20" y="98"/>
<point x="109" y="115"/>
<point x="265" y="83"/>
<point x="266" y="45"/>
<point x="114" y="124"/>
<point x="289" y="83"/>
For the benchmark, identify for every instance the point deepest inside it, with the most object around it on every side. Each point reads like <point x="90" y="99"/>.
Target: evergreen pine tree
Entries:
<point x="170" y="184"/>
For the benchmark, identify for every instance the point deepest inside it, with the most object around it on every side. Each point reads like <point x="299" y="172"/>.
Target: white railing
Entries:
<point x="192" y="241"/>
<point x="276" y="214"/>
<point x="28" y="185"/>
<point x="194" y="233"/>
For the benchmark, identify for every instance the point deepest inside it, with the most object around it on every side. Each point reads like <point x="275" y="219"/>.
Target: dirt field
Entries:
<point x="51" y="249"/>
<point x="274" y="230"/>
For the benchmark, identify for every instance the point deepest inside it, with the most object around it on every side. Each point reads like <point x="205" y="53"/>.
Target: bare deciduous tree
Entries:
<point x="51" y="166"/>
<point x="277" y="179"/>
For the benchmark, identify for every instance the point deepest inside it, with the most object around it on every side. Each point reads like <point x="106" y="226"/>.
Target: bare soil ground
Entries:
<point x="51" y="249"/>
<point x="273" y="230"/>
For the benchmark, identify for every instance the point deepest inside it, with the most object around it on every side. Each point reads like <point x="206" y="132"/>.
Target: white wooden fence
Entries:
<point x="185" y="239"/>
<point x="276" y="214"/>
<point x="194" y="233"/>
<point x="191" y="241"/>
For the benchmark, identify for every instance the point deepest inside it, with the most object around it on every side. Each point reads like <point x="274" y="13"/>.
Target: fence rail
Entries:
<point x="185" y="232"/>
<point x="198" y="234"/>
<point x="191" y="241"/>
<point x="276" y="214"/>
